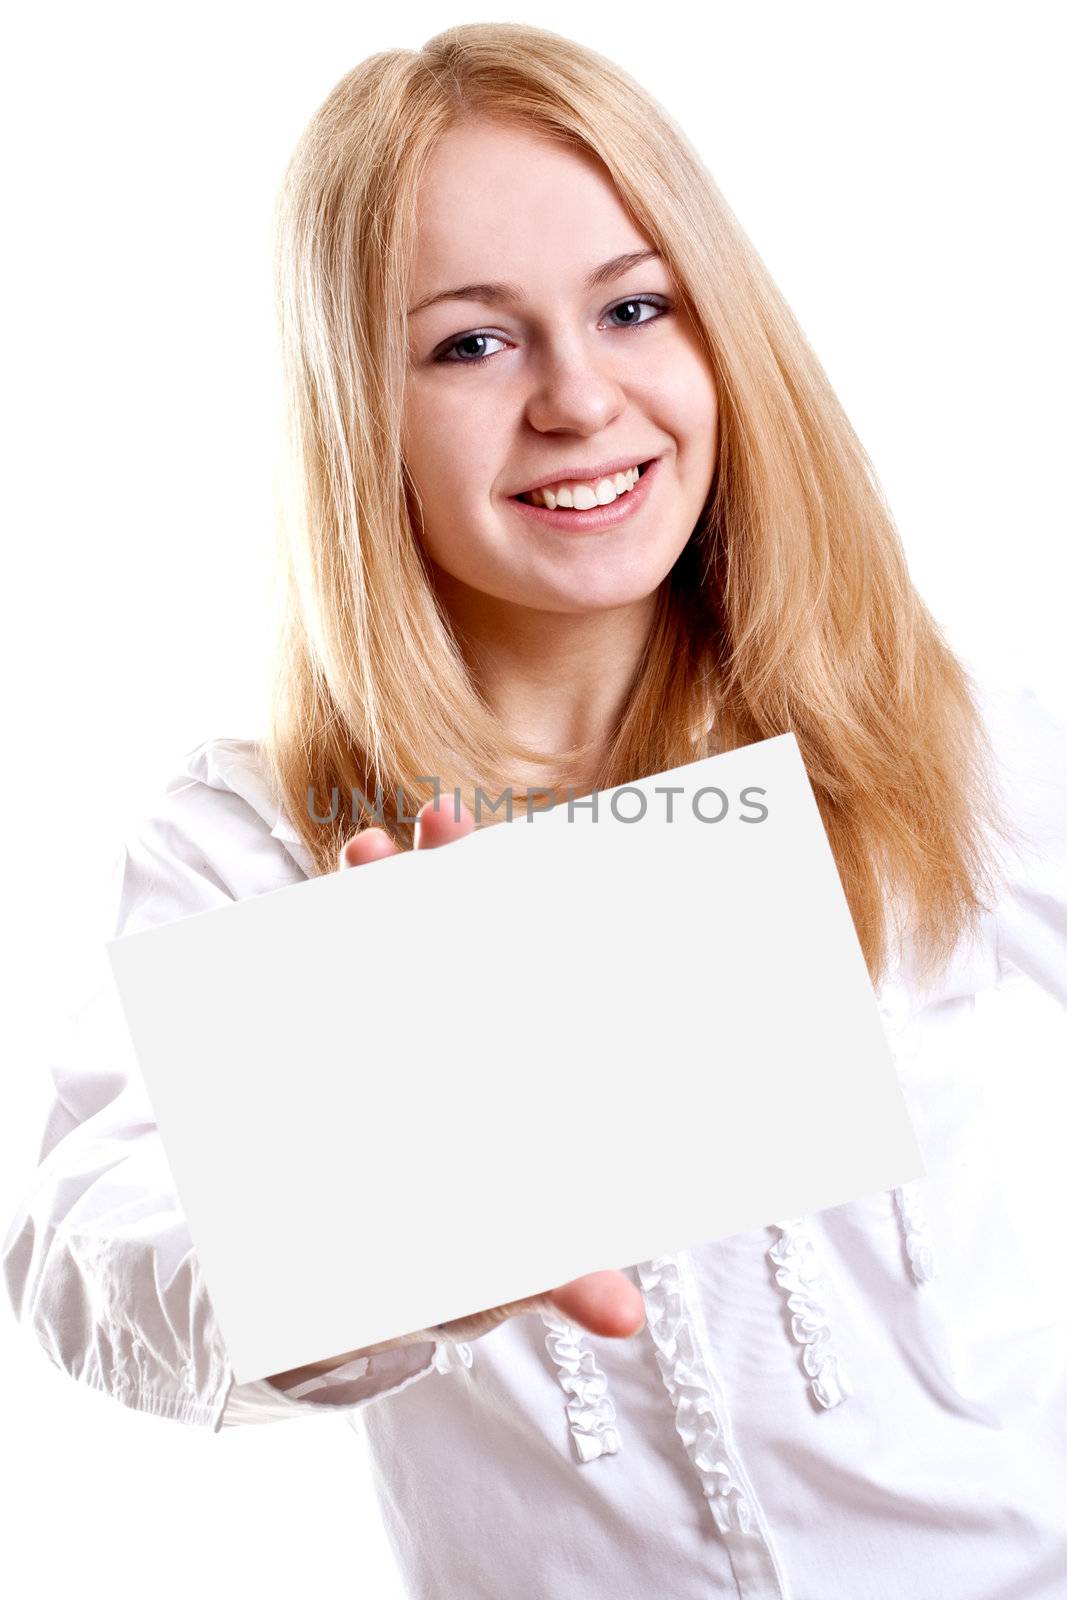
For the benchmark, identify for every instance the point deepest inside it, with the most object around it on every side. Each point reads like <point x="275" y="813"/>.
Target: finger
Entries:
<point x="605" y="1303"/>
<point x="439" y="826"/>
<point x="602" y="1302"/>
<point x="372" y="844"/>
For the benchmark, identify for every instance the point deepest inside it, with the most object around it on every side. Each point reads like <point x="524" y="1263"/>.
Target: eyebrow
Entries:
<point x="493" y="294"/>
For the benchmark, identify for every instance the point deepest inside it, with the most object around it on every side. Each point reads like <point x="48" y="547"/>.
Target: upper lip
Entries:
<point x="606" y="469"/>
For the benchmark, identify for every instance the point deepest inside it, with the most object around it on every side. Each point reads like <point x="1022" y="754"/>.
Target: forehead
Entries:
<point x="504" y="201"/>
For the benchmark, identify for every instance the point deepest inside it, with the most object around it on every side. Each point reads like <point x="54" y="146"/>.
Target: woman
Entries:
<point x="871" y="1401"/>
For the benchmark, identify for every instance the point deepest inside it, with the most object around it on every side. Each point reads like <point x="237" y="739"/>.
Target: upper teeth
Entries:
<point x="582" y="496"/>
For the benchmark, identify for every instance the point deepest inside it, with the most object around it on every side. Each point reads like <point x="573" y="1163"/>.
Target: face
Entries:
<point x="554" y="375"/>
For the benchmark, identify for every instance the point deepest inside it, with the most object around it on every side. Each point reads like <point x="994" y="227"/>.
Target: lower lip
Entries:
<point x="597" y="518"/>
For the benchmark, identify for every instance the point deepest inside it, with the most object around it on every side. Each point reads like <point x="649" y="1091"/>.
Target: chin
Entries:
<point x="604" y="595"/>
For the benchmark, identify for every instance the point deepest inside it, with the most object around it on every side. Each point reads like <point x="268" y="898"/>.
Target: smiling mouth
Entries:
<point x="527" y="497"/>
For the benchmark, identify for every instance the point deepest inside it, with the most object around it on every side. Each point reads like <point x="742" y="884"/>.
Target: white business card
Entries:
<point x="412" y="1090"/>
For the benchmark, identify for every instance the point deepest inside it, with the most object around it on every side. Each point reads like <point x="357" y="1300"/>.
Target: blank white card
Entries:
<point x="409" y="1091"/>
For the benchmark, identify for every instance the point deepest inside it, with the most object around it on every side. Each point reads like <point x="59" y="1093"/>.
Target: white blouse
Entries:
<point x="867" y="1402"/>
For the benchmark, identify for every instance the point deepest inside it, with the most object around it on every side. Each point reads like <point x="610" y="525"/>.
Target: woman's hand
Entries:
<point x="607" y="1302"/>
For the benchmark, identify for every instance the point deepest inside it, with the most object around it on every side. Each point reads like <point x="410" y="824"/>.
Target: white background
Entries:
<point x="896" y="166"/>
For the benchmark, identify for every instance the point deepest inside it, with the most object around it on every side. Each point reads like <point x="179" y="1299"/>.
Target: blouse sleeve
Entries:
<point x="1030" y="738"/>
<point x="98" y="1261"/>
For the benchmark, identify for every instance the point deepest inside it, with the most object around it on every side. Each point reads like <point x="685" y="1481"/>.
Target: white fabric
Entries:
<point x="867" y="1402"/>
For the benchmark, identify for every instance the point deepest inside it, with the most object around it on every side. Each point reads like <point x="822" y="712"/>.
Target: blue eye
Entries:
<point x="457" y="344"/>
<point x="446" y="357"/>
<point x="639" y="300"/>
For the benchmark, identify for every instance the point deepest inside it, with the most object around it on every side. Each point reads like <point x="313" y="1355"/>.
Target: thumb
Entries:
<point x="606" y="1303"/>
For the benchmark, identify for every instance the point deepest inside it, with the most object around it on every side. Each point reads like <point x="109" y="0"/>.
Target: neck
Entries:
<point x="557" y="680"/>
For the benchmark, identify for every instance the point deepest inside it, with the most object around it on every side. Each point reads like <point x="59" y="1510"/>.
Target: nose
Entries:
<point x="573" y="390"/>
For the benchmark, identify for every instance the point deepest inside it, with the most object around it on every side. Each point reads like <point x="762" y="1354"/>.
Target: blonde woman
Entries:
<point x="571" y="502"/>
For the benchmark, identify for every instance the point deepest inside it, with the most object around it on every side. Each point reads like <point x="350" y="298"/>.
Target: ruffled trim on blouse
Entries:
<point x="699" y="1406"/>
<point x="795" y="1255"/>
<point x="918" y="1245"/>
<point x="590" y="1408"/>
<point x="797" y="1272"/>
<point x="702" y="1420"/>
<point x="450" y="1357"/>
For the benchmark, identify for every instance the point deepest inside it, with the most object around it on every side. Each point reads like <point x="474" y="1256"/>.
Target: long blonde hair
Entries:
<point x="791" y="608"/>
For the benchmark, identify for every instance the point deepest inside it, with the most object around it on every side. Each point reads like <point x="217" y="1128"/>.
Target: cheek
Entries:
<point x="688" y="394"/>
<point x="682" y="397"/>
<point x="443" y="438"/>
<point x="454" y="483"/>
<point x="431" y="455"/>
